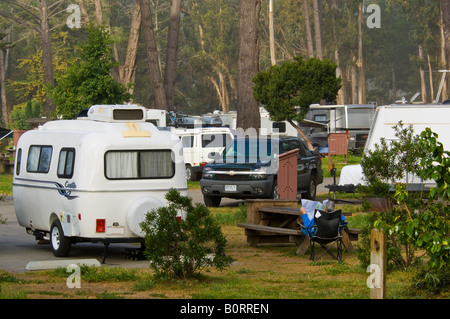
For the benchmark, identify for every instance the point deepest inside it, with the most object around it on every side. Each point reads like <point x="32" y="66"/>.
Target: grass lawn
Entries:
<point x="339" y="163"/>
<point x="263" y="272"/>
<point x="6" y="184"/>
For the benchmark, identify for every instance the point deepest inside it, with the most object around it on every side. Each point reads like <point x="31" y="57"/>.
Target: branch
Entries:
<point x="55" y="4"/>
<point x="57" y="26"/>
<point x="19" y="21"/>
<point x="22" y="6"/>
<point x="54" y="12"/>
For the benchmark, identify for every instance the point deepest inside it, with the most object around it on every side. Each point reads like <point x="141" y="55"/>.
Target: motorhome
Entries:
<point x="355" y="120"/>
<point x="198" y="143"/>
<point x="420" y="116"/>
<point x="95" y="179"/>
<point x="156" y="117"/>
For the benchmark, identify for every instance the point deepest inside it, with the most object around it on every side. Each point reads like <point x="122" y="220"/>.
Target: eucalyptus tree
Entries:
<point x="36" y="15"/>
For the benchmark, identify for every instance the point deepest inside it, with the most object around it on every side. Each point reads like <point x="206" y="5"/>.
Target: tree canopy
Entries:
<point x="287" y="90"/>
<point x="88" y="80"/>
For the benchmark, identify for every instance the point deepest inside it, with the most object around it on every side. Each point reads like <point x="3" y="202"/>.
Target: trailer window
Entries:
<point x="19" y="158"/>
<point x="39" y="158"/>
<point x="66" y="162"/>
<point x="139" y="164"/>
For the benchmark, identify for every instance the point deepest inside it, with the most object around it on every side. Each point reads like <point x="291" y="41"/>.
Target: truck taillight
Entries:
<point x="100" y="225"/>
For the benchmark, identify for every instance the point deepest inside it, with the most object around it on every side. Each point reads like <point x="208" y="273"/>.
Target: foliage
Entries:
<point x="34" y="87"/>
<point x="390" y="163"/>
<point x="88" y="81"/>
<point x="183" y="248"/>
<point x="298" y="83"/>
<point x="422" y="224"/>
<point x="395" y="250"/>
<point x="22" y="112"/>
<point x="416" y="224"/>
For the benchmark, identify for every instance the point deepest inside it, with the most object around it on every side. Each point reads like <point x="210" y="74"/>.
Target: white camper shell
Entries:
<point x="95" y="179"/>
<point x="198" y="143"/>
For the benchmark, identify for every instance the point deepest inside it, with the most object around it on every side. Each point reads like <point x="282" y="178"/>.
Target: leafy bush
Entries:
<point x="22" y="112"/>
<point x="183" y="248"/>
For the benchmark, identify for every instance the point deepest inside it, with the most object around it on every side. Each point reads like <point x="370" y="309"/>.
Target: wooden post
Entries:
<point x="377" y="268"/>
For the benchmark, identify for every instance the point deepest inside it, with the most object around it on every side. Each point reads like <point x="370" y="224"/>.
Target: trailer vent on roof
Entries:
<point x="117" y="113"/>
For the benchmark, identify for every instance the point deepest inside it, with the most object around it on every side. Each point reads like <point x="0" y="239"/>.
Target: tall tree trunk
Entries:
<point x="309" y="40"/>
<point x="152" y="55"/>
<point x="171" y="53"/>
<point x="339" y="73"/>
<point x="445" y="44"/>
<point x="354" y="76"/>
<point x="248" y="64"/>
<point x="5" y="113"/>
<point x="46" y="54"/>
<point x="271" y="34"/>
<point x="430" y="78"/>
<point x="423" y="86"/>
<point x="317" y="6"/>
<point x="127" y="71"/>
<point x="362" y="71"/>
<point x="394" y="83"/>
<point x="83" y="11"/>
<point x="98" y="12"/>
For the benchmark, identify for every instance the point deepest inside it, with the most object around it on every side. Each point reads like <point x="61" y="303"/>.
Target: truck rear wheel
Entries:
<point x="60" y="244"/>
<point x="312" y="190"/>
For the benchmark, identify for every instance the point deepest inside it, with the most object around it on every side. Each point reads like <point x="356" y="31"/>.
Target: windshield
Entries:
<point x="251" y="150"/>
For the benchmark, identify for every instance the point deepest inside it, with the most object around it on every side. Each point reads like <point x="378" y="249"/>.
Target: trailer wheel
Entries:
<point x="60" y="244"/>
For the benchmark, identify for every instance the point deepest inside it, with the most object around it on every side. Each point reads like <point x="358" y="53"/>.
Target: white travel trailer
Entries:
<point x="95" y="179"/>
<point x="420" y="116"/>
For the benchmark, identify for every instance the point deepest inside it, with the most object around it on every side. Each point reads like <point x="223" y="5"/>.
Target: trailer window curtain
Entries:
<point x="139" y="164"/>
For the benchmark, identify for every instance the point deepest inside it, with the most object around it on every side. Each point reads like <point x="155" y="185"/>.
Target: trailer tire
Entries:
<point x="60" y="244"/>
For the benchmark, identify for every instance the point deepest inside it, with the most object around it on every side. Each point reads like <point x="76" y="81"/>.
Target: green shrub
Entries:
<point x="183" y="248"/>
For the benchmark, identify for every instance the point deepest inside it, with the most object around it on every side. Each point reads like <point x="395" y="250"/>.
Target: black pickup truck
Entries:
<point x="247" y="168"/>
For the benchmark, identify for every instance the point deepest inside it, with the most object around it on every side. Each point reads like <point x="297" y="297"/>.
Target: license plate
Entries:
<point x="230" y="188"/>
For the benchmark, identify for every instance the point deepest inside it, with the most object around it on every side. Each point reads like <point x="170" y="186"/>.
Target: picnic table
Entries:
<point x="277" y="222"/>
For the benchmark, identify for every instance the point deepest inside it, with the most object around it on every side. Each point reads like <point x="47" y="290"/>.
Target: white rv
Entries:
<point x="420" y="116"/>
<point x="198" y="143"/>
<point x="95" y="179"/>
<point x="157" y="117"/>
<point x="355" y="120"/>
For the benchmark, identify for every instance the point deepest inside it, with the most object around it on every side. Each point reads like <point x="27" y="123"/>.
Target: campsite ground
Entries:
<point x="263" y="272"/>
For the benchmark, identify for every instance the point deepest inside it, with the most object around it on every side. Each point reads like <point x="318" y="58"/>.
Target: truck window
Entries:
<point x="145" y="164"/>
<point x="215" y="140"/>
<point x="39" y="158"/>
<point x="187" y="141"/>
<point x="66" y="162"/>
